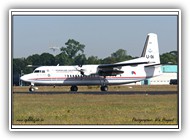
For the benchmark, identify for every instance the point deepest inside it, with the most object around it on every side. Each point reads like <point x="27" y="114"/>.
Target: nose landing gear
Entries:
<point x="32" y="88"/>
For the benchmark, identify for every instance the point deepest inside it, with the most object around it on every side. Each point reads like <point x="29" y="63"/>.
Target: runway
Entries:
<point x="101" y="92"/>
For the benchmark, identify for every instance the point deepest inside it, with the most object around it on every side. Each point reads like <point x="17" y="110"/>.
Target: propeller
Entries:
<point x="80" y="70"/>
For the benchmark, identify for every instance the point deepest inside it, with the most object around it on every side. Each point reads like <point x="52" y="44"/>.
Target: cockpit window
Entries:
<point x="39" y="71"/>
<point x="36" y="71"/>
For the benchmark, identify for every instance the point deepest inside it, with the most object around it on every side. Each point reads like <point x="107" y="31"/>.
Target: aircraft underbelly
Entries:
<point x="88" y="81"/>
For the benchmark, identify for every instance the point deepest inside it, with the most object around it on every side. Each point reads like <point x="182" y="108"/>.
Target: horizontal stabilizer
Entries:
<point x="152" y="65"/>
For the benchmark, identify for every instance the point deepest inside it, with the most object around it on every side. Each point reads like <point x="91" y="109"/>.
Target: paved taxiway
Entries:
<point x="104" y="92"/>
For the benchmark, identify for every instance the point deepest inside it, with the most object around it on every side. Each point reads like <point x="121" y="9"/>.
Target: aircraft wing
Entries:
<point x="115" y="69"/>
<point x="102" y="66"/>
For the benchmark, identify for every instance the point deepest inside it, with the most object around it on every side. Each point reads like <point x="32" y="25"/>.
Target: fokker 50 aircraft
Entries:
<point x="146" y="66"/>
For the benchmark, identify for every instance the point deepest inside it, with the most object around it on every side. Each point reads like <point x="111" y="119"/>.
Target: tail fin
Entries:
<point x="151" y="50"/>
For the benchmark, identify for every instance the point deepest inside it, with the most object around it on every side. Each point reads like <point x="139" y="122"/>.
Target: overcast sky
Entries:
<point x="101" y="35"/>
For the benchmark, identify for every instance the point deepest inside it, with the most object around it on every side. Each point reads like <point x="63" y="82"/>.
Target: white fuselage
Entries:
<point x="71" y="75"/>
<point x="146" y="66"/>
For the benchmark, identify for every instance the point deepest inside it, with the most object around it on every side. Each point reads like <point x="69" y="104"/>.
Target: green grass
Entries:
<point x="94" y="109"/>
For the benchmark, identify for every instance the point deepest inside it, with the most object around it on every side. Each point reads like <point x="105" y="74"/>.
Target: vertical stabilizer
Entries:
<point x="151" y="50"/>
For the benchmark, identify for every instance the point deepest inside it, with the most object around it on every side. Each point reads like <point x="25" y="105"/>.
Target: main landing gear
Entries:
<point x="104" y="88"/>
<point x="74" y="88"/>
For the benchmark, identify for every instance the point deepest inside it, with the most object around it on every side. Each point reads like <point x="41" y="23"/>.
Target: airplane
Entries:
<point x="146" y="66"/>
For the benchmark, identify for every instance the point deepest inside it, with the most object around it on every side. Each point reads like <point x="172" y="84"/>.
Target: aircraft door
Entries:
<point x="49" y="75"/>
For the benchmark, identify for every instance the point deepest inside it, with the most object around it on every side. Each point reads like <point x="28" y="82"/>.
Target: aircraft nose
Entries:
<point x="24" y="78"/>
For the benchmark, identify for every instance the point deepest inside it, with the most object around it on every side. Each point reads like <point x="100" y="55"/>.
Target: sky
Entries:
<point x="101" y="35"/>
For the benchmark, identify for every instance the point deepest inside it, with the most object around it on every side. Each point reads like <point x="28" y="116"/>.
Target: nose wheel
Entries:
<point x="32" y="88"/>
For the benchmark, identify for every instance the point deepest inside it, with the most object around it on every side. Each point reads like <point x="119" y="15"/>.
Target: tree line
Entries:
<point x="73" y="54"/>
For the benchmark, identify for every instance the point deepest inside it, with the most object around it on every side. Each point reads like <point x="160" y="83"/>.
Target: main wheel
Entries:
<point x="74" y="88"/>
<point x="104" y="88"/>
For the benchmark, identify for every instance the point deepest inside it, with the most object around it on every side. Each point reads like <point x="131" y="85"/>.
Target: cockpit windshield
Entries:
<point x="39" y="71"/>
<point x="36" y="71"/>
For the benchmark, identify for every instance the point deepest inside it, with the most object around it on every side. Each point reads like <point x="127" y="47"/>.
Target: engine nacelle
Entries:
<point x="110" y="72"/>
